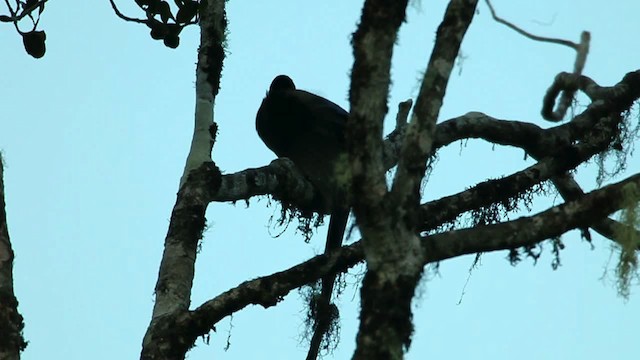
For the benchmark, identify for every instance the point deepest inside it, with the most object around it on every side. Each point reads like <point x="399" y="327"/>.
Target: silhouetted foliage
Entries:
<point x="33" y="40"/>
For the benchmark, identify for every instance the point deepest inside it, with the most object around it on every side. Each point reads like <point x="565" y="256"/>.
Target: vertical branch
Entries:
<point x="200" y="178"/>
<point x="419" y="138"/>
<point x="213" y="26"/>
<point x="385" y="330"/>
<point x="388" y="221"/>
<point x="11" y="322"/>
<point x="370" y="78"/>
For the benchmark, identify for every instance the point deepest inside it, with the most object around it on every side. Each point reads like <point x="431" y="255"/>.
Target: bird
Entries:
<point x="311" y="131"/>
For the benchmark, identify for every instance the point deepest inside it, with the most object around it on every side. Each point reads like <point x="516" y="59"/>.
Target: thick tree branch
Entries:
<point x="384" y="332"/>
<point x="528" y="34"/>
<point x="525" y="231"/>
<point x="373" y="44"/>
<point x="123" y="16"/>
<point x="11" y="322"/>
<point x="175" y="277"/>
<point x="447" y="209"/>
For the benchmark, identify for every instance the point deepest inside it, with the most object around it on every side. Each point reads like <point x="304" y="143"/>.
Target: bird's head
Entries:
<point x="282" y="83"/>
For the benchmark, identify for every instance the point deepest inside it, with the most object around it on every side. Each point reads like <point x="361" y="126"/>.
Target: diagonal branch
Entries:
<point x="177" y="267"/>
<point x="527" y="34"/>
<point x="420" y="134"/>
<point x="525" y="231"/>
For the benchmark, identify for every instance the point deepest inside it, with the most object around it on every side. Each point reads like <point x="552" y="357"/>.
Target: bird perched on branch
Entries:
<point x="310" y="131"/>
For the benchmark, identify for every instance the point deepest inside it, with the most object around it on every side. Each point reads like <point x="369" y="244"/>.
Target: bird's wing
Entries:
<point x="329" y="120"/>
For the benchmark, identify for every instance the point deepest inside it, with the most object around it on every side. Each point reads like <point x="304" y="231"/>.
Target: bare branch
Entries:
<point x="528" y="34"/>
<point x="582" y="50"/>
<point x="177" y="267"/>
<point x="420" y="133"/>
<point x="373" y="44"/>
<point x="381" y="335"/>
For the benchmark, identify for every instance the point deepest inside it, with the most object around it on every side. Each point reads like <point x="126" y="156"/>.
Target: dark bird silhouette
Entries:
<point x="310" y="131"/>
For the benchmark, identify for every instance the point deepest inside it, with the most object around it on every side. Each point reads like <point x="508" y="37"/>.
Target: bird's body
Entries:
<point x="307" y="129"/>
<point x="310" y="131"/>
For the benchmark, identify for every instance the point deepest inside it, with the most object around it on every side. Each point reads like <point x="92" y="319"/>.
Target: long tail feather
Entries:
<point x="337" y="226"/>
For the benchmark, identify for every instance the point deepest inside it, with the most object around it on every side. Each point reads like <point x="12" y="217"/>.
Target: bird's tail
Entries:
<point x="324" y="310"/>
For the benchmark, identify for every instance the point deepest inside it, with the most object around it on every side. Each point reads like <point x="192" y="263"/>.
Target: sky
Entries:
<point x="95" y="135"/>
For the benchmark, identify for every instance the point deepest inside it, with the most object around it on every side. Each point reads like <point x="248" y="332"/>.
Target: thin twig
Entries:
<point x="582" y="49"/>
<point x="528" y="34"/>
<point x="124" y="17"/>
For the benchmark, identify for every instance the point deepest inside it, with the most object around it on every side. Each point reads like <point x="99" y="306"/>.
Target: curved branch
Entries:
<point x="438" y="212"/>
<point x="419" y="138"/>
<point x="124" y="17"/>
<point x="528" y="34"/>
<point x="200" y="179"/>
<point x="621" y="95"/>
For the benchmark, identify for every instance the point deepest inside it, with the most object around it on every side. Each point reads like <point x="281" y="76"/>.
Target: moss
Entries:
<point x="628" y="241"/>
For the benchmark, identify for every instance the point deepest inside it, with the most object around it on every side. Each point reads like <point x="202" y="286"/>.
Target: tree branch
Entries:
<point x="539" y="143"/>
<point x="124" y="17"/>
<point x="553" y="222"/>
<point x="12" y="341"/>
<point x="420" y="134"/>
<point x="556" y="162"/>
<point x="175" y="277"/>
<point x="528" y="34"/>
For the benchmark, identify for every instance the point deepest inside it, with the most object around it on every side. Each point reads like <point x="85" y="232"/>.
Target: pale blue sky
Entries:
<point x="95" y="136"/>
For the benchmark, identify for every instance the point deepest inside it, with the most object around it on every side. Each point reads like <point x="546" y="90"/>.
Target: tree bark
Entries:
<point x="12" y="341"/>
